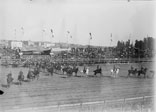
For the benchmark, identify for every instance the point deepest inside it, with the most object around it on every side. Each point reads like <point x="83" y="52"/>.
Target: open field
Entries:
<point x="41" y="95"/>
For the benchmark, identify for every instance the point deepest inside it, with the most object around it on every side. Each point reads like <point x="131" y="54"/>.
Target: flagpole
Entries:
<point x="22" y="32"/>
<point x="15" y="33"/>
<point x="52" y="34"/>
<point x="111" y="42"/>
<point x="43" y="34"/>
<point x="129" y="46"/>
<point x="90" y="37"/>
<point x="67" y="38"/>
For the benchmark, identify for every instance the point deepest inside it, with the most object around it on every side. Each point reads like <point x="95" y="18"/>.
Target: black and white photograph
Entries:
<point x="77" y="55"/>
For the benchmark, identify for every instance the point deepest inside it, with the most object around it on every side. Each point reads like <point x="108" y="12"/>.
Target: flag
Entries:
<point x="51" y="30"/>
<point x="22" y="30"/>
<point x="90" y="35"/>
<point x="68" y="32"/>
<point x="111" y="35"/>
<point x="15" y="31"/>
<point x="43" y="30"/>
<point x="70" y="36"/>
<point x="52" y="36"/>
<point x="111" y="38"/>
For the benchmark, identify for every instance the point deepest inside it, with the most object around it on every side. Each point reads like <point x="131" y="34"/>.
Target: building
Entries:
<point x="4" y="43"/>
<point x="16" y="44"/>
<point x="48" y="44"/>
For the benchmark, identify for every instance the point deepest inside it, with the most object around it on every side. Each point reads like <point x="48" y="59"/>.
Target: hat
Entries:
<point x="9" y="74"/>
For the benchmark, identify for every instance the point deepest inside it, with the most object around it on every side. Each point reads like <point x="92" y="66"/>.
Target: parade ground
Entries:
<point x="50" y="92"/>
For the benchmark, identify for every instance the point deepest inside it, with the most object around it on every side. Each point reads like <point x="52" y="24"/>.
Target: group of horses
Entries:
<point x="32" y="74"/>
<point x="137" y="73"/>
<point x="69" y="70"/>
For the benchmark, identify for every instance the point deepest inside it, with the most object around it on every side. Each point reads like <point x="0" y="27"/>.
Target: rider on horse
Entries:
<point x="84" y="70"/>
<point x="9" y="79"/>
<point x="132" y="68"/>
<point x="114" y="68"/>
<point x="20" y="77"/>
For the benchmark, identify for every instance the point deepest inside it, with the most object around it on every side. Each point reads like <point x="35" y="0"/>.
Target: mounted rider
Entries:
<point x="9" y="79"/>
<point x="132" y="68"/>
<point x="20" y="77"/>
<point x="84" y="70"/>
<point x="114" y="68"/>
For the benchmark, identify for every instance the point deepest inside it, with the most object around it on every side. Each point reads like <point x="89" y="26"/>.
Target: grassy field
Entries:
<point x="41" y="95"/>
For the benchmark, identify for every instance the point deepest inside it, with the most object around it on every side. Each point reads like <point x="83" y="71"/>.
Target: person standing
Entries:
<point x="9" y="79"/>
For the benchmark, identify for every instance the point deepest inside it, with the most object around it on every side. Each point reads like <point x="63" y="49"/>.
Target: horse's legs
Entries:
<point x="94" y="73"/>
<point x="37" y="76"/>
<point x="138" y="74"/>
<point x="100" y="73"/>
<point x="128" y="74"/>
<point x="117" y="74"/>
<point x="75" y="73"/>
<point x="20" y="83"/>
<point x="144" y="75"/>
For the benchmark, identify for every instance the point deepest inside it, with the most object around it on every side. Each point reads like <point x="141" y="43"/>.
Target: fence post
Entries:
<point x="142" y="103"/>
<point x="123" y="105"/>
<point x="80" y="107"/>
<point x="90" y="107"/>
<point x="104" y="105"/>
<point x="59" y="108"/>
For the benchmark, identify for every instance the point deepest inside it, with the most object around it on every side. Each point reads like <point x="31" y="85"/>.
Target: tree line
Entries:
<point x="139" y="49"/>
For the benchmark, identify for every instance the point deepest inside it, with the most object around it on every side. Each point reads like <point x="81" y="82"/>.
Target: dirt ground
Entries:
<point x="60" y="90"/>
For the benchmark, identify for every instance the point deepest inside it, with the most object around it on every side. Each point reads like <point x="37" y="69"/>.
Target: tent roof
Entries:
<point x="31" y="48"/>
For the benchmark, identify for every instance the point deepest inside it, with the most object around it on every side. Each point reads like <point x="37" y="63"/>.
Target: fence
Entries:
<point x="137" y="104"/>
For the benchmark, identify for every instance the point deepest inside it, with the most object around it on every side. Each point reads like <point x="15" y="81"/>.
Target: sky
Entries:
<point x="71" y="21"/>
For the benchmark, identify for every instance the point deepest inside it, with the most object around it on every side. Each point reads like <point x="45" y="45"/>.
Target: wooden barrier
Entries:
<point x="80" y="105"/>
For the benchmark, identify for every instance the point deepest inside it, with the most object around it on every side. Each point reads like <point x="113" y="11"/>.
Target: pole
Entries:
<point x="43" y="34"/>
<point x="104" y="105"/>
<point x="111" y="43"/>
<point x="15" y="34"/>
<point x="58" y="108"/>
<point x="22" y="29"/>
<point x="90" y="37"/>
<point x="123" y="105"/>
<point x="67" y="38"/>
<point x="128" y="54"/>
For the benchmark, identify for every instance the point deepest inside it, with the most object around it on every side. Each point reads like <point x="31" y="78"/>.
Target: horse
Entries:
<point x="57" y="67"/>
<point x="65" y="69"/>
<point x="132" y="71"/>
<point x="50" y="70"/>
<point x="30" y="75"/>
<point x="114" y="72"/>
<point x="9" y="79"/>
<point x="152" y="73"/>
<point x="70" y="70"/>
<point x="75" y="70"/>
<point x="36" y="73"/>
<point x="99" y="70"/>
<point x="20" y="77"/>
<point x="142" y="71"/>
